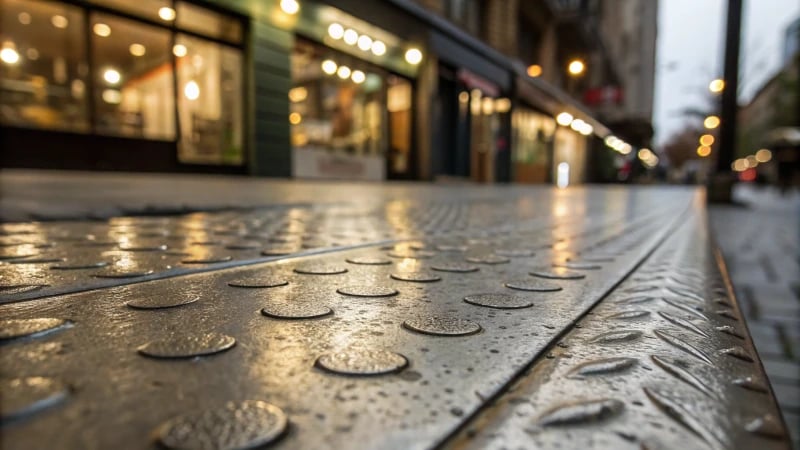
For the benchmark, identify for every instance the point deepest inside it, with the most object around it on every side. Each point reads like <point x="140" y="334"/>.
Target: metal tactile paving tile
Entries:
<point x="51" y="258"/>
<point x="330" y="353"/>
<point x="677" y="371"/>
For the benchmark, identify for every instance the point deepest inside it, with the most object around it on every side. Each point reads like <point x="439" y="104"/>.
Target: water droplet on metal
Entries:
<point x="419" y="277"/>
<point x="442" y="326"/>
<point x="558" y="273"/>
<point x="613" y="337"/>
<point x="580" y="412"/>
<point x="369" y="260"/>
<point x="601" y="367"/>
<point x="487" y="259"/>
<point x="629" y="315"/>
<point x="362" y="361"/>
<point x="533" y="286"/>
<point x="680" y="344"/>
<point x="675" y="368"/>
<point x="259" y="282"/>
<point x="369" y="290"/>
<point x="738" y="353"/>
<point x="296" y="311"/>
<point x="161" y="301"/>
<point x="188" y="346"/>
<point x="683" y="323"/>
<point x="16" y="289"/>
<point x="236" y="426"/>
<point x="752" y="384"/>
<point x="25" y="396"/>
<point x="768" y="426"/>
<point x="20" y="328"/>
<point x="320" y="269"/>
<point x="123" y="273"/>
<point x="208" y="259"/>
<point x="498" y="301"/>
<point x="455" y="267"/>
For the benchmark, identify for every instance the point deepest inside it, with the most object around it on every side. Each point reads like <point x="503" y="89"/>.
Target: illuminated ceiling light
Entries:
<point x="703" y="151"/>
<point x="179" y="50"/>
<point x="610" y="140"/>
<point x="329" y="67"/>
<point x="137" y="49"/>
<point x="166" y="13"/>
<point x="378" y="48"/>
<point x="59" y="21"/>
<point x="112" y="76"/>
<point x="112" y="96"/>
<point x="564" y="119"/>
<point x="9" y="56"/>
<point x="298" y="94"/>
<point x="350" y="36"/>
<point x="577" y="124"/>
<point x="413" y="56"/>
<point x="335" y="30"/>
<point x="707" y="139"/>
<point x="487" y="105"/>
<point x="763" y="155"/>
<point x="711" y="122"/>
<point x="586" y="129"/>
<point x="534" y="70"/>
<point x="625" y="148"/>
<point x="192" y="90"/>
<point x="463" y="97"/>
<point x="102" y="30"/>
<point x="576" y="67"/>
<point x="740" y="165"/>
<point x="651" y="162"/>
<point x="358" y="77"/>
<point x="364" y="42"/>
<point x="645" y="154"/>
<point x="716" y="86"/>
<point x="290" y="6"/>
<point x="502" y="105"/>
<point x="343" y="72"/>
<point x="751" y="161"/>
<point x="24" y="18"/>
<point x="295" y="118"/>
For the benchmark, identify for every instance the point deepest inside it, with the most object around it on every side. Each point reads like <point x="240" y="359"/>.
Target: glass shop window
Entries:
<point x="133" y="87"/>
<point x="43" y="69"/>
<point x="209" y="101"/>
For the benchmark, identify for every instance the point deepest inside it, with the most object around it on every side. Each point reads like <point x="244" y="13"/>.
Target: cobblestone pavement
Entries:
<point x="760" y="244"/>
<point x="407" y="316"/>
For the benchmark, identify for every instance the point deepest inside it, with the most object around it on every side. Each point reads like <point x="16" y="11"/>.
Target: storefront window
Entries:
<point x="208" y="23"/>
<point x="532" y="138"/>
<point x="133" y="88"/>
<point x="157" y="10"/>
<point x="398" y="103"/>
<point x="43" y="70"/>
<point x="209" y="101"/>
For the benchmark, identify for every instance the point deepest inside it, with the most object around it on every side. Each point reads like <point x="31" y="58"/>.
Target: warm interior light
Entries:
<point x="576" y="67"/>
<point x="329" y="67"/>
<point x="502" y="105"/>
<point x="378" y="48"/>
<point x="166" y="13"/>
<point x="534" y="70"/>
<point x="112" y="76"/>
<point x="298" y="94"/>
<point x="350" y="36"/>
<point x="24" y="18"/>
<point x="59" y="21"/>
<point x="179" y="50"/>
<point x="707" y="140"/>
<point x="192" y="90"/>
<point x="295" y="118"/>
<point x="358" y="77"/>
<point x="711" y="122"/>
<point x="290" y="6"/>
<point x="763" y="155"/>
<point x="343" y="72"/>
<point x="413" y="56"/>
<point x="137" y="49"/>
<point x="102" y="30"/>
<point x="364" y="42"/>
<point x="335" y="30"/>
<point x="9" y="56"/>
<point x="644" y="154"/>
<point x="716" y="86"/>
<point x="564" y="118"/>
<point x="112" y="96"/>
<point x="703" y="151"/>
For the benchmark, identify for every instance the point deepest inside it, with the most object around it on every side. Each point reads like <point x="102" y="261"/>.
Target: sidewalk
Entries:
<point x="760" y="244"/>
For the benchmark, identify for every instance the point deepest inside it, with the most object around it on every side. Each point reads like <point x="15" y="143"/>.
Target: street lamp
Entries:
<point x="716" y="86"/>
<point x="576" y="67"/>
<point x="711" y="122"/>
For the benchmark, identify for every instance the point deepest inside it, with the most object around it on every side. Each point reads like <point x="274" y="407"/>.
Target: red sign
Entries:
<point x="603" y="96"/>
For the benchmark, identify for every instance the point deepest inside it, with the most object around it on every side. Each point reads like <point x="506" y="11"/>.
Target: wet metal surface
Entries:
<point x="446" y="326"/>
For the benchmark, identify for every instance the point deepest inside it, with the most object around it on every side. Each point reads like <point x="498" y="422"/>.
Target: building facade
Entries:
<point x="344" y="89"/>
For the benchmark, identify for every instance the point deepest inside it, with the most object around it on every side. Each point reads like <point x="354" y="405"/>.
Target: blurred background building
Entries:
<point x="526" y="91"/>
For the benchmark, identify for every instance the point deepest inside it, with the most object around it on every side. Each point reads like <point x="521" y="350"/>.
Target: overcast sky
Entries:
<point x="691" y="47"/>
